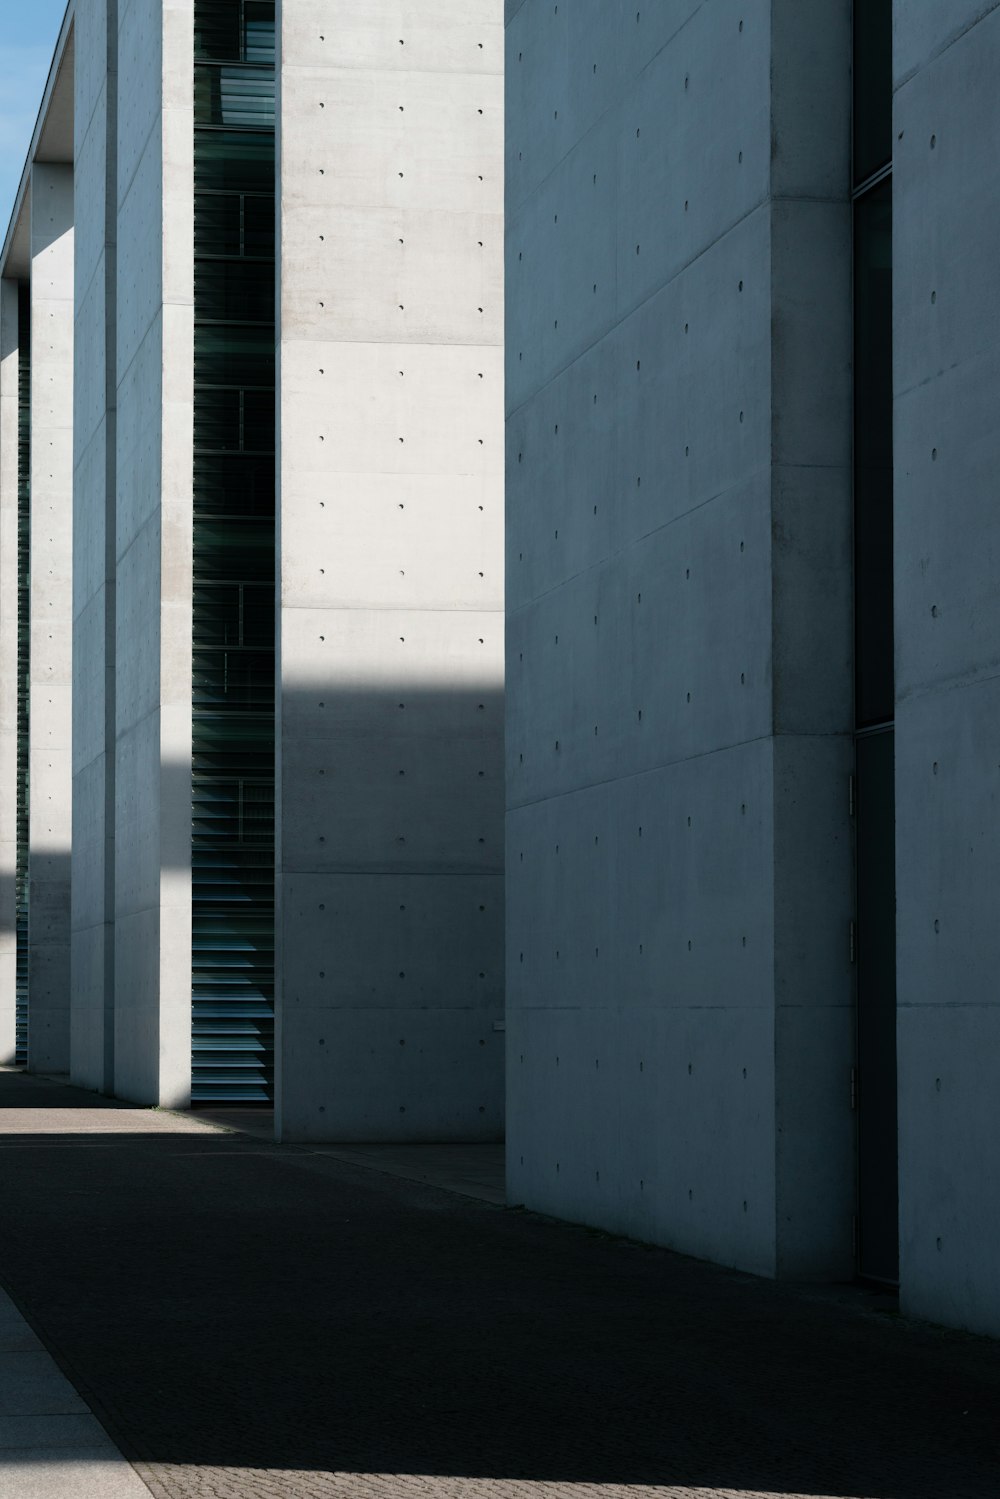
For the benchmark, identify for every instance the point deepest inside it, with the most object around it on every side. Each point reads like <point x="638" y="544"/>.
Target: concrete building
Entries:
<point x="751" y="391"/>
<point x="252" y="598"/>
<point x="251" y="564"/>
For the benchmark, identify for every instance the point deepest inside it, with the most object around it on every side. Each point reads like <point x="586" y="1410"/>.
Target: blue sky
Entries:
<point x="28" y="31"/>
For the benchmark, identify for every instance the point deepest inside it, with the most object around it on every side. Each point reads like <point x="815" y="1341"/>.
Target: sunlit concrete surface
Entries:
<point x="51" y="1446"/>
<point x="389" y="942"/>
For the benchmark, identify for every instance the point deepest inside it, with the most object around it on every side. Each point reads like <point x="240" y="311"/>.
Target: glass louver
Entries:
<point x="233" y="688"/>
<point x="23" y="674"/>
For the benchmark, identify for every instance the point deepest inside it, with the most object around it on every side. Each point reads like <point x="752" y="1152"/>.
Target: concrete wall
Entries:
<point x="8" y="666"/>
<point x="155" y="327"/>
<point x="390" y="763"/>
<point x="947" y="536"/>
<point x="679" y="1016"/>
<point x="50" y="767"/>
<point x="92" y="905"/>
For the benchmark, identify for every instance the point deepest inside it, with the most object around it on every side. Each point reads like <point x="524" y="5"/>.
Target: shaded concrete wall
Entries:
<point x="390" y="790"/>
<point x="947" y="534"/>
<point x="679" y="1023"/>
<point x="50" y="768"/>
<point x="92" y="905"/>
<point x="8" y="666"/>
<point x="155" y="381"/>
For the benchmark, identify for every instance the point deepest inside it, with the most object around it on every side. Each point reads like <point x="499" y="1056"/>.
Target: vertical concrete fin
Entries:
<point x="946" y="379"/>
<point x="52" y="255"/>
<point x="155" y="383"/>
<point x="678" y="520"/>
<point x="390" y="862"/>
<point x="8" y="665"/>
<point x="94" y="500"/>
<point x="811" y="634"/>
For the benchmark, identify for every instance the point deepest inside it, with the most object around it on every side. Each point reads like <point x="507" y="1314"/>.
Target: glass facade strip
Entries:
<point x="234" y="96"/>
<point x="233" y="161"/>
<point x="232" y="972"/>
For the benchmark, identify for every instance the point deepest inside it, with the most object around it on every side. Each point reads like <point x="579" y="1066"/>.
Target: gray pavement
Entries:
<point x="247" y="1321"/>
<point x="51" y="1445"/>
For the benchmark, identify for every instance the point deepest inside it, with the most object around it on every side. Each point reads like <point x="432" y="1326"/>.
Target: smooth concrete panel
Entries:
<point x="94" y="441"/>
<point x="947" y="873"/>
<point x="947" y="625"/>
<point x="658" y="1126"/>
<point x="414" y="1073"/>
<point x="646" y="425"/>
<point x="671" y="837"/>
<point x="415" y="913"/>
<point x="633" y="664"/>
<point x="384" y="267"/>
<point x="948" y="1120"/>
<point x="390" y="674"/>
<point x="384" y="37"/>
<point x="50" y="831"/>
<point x="679" y="629"/>
<point x="395" y="562"/>
<point x="9" y="362"/>
<point x="922" y="32"/>
<point x="155" y="384"/>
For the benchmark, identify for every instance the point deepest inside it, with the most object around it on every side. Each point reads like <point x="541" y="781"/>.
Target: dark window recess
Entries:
<point x="234" y="597"/>
<point x="21" y="882"/>
<point x="234" y="421"/>
<point x="237" y="290"/>
<point x="234" y="224"/>
<point x="234" y="95"/>
<point x="234" y="31"/>
<point x="873" y="455"/>
<point x="229" y="354"/>
<point x="872" y="87"/>
<point x="233" y="161"/>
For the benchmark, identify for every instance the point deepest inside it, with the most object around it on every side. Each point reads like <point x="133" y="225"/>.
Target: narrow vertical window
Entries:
<point x="234" y="556"/>
<point x="878" y="1238"/>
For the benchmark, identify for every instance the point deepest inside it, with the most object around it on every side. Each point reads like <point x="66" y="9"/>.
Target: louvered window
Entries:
<point x="233" y="688"/>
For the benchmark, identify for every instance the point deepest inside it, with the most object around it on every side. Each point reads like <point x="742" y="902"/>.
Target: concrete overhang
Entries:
<point x="51" y="141"/>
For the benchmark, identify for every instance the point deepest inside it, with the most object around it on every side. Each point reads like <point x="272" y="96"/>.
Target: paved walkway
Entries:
<point x="51" y="1445"/>
<point x="253" y="1320"/>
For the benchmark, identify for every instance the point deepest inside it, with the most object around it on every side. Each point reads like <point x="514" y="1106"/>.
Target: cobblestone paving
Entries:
<point x="258" y="1322"/>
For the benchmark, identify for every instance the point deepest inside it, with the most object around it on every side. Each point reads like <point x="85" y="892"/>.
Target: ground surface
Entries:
<point x="252" y="1320"/>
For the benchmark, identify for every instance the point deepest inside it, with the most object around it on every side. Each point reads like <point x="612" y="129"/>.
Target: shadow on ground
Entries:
<point x="224" y="1303"/>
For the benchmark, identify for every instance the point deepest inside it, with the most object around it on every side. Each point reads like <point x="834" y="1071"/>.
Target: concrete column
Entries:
<point x="390" y="795"/>
<point x="8" y="665"/>
<point x="946" y="368"/>
<point x="92" y="904"/>
<point x="51" y="615"/>
<point x="679" y="625"/>
<point x="155" y="394"/>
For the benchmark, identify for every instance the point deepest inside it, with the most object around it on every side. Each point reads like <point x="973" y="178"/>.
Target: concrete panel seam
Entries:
<point x="605" y="562"/>
<point x="900" y="83"/>
<point x="619" y="779"/>
<point x="759" y="207"/>
<point x="611" y="107"/>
